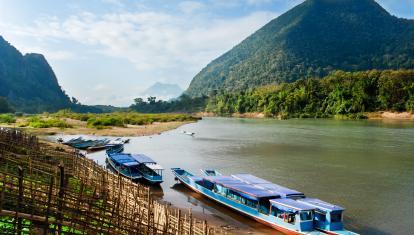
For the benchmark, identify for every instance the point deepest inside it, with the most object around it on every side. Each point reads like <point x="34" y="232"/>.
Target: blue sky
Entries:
<point x="109" y="51"/>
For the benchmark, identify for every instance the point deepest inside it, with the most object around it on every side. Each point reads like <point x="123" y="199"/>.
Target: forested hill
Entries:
<point x="340" y="93"/>
<point x="28" y="82"/>
<point x="311" y="40"/>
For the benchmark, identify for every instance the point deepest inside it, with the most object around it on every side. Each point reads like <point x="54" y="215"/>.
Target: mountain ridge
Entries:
<point x="311" y="40"/>
<point x="28" y="82"/>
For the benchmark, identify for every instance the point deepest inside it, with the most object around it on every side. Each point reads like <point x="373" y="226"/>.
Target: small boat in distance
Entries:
<point x="188" y="133"/>
<point x="136" y="166"/>
<point x="284" y="209"/>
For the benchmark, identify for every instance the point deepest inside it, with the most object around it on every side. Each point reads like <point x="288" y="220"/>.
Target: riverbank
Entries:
<point x="381" y="115"/>
<point x="125" y="124"/>
<point x="81" y="128"/>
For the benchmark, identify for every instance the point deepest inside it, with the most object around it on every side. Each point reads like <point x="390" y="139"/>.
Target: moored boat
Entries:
<point x="328" y="217"/>
<point x="210" y="172"/>
<point x="114" y="148"/>
<point x="268" y="203"/>
<point x="150" y="170"/>
<point x="136" y="166"/>
<point x="125" y="165"/>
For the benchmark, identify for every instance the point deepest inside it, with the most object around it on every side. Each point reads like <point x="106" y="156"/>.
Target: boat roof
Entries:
<point x="155" y="167"/>
<point x="287" y="203"/>
<point x="141" y="158"/>
<point x="321" y="205"/>
<point x="264" y="184"/>
<point x="124" y="159"/>
<point x="241" y="187"/>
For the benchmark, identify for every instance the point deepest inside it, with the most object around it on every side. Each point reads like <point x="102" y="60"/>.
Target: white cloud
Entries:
<point x="151" y="40"/>
<point x="258" y="2"/>
<point x="114" y="2"/>
<point x="161" y="46"/>
<point x="189" y="7"/>
<point x="50" y="54"/>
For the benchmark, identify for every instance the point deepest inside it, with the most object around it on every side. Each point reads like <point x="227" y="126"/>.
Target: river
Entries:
<point x="365" y="166"/>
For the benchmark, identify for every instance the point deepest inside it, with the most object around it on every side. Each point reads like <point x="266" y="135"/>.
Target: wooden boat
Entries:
<point x="90" y="144"/>
<point x="328" y="217"/>
<point x="210" y="172"/>
<point x="136" y="166"/>
<point x="150" y="170"/>
<point x="114" y="148"/>
<point x="73" y="141"/>
<point x="265" y="202"/>
<point x="125" y="165"/>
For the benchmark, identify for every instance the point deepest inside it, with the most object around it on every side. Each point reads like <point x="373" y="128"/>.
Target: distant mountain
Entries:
<point x="311" y="40"/>
<point x="163" y="91"/>
<point x="28" y="82"/>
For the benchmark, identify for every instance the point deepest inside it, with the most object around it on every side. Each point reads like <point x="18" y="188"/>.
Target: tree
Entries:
<point x="75" y="101"/>
<point x="138" y="101"/>
<point x="5" y="107"/>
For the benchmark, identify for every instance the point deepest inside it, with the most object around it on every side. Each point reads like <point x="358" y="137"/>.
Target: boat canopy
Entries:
<point x="239" y="186"/>
<point x="291" y="205"/>
<point x="141" y="158"/>
<point x="155" y="167"/>
<point x="264" y="184"/>
<point x="321" y="205"/>
<point x="124" y="159"/>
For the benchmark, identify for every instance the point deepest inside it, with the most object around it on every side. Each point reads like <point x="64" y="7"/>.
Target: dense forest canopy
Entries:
<point x="350" y="94"/>
<point x="5" y="107"/>
<point x="183" y="104"/>
<point x="339" y="93"/>
<point x="312" y="40"/>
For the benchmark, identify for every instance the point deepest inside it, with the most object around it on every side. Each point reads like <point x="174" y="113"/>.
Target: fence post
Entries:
<point x="191" y="223"/>
<point x="149" y="210"/>
<point x="61" y="196"/>
<point x="49" y="199"/>
<point x="205" y="227"/>
<point x="19" y="202"/>
<point x="179" y="222"/>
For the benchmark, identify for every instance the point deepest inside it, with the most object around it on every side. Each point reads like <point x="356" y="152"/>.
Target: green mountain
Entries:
<point x="28" y="82"/>
<point x="311" y="40"/>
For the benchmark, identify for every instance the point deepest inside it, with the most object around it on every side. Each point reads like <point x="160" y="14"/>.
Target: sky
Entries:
<point x="109" y="51"/>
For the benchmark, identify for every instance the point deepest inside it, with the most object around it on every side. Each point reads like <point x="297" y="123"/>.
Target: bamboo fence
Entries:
<point x="47" y="191"/>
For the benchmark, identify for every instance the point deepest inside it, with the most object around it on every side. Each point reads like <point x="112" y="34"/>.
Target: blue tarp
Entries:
<point x="266" y="185"/>
<point x="141" y="158"/>
<point x="321" y="205"/>
<point x="124" y="159"/>
<point x="241" y="187"/>
<point x="290" y="204"/>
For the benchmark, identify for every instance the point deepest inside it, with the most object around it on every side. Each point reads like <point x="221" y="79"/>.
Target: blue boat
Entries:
<point x="125" y="165"/>
<point x="114" y="148"/>
<point x="265" y="202"/>
<point x="328" y="217"/>
<point x="136" y="167"/>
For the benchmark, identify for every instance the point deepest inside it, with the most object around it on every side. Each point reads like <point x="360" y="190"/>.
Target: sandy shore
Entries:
<point x="391" y="116"/>
<point x="80" y="128"/>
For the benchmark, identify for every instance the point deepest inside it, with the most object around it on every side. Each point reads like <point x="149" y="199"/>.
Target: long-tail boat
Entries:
<point x="276" y="206"/>
<point x="136" y="166"/>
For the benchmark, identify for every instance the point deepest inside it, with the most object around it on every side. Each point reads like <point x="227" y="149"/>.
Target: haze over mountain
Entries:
<point x="311" y="40"/>
<point x="28" y="82"/>
<point x="164" y="91"/>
